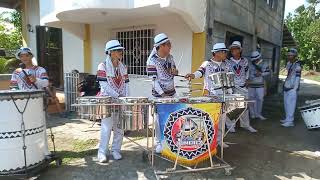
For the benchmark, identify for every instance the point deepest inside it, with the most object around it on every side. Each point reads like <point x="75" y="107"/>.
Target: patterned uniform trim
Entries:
<point x="16" y="134"/>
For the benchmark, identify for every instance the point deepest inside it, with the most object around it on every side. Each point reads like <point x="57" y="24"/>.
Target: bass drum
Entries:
<point x="11" y="131"/>
<point x="310" y="114"/>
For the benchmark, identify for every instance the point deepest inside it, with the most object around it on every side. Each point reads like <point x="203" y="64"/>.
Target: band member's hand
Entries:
<point x="189" y="76"/>
<point x="258" y="73"/>
<point x="205" y="92"/>
<point x="174" y="71"/>
<point x="32" y="79"/>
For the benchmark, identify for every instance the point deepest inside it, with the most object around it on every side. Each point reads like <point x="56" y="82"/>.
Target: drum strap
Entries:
<point x="23" y="128"/>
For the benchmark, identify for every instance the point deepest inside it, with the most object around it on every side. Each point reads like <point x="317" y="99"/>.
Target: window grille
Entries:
<point x="138" y="45"/>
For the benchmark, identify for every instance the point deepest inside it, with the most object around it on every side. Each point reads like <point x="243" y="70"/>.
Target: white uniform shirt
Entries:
<point x="207" y="68"/>
<point x="20" y="81"/>
<point x="240" y="68"/>
<point x="254" y="80"/>
<point x="117" y="86"/>
<point x="159" y="69"/>
<point x="293" y="77"/>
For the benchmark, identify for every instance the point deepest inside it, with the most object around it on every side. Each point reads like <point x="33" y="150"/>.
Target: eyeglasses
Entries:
<point x="118" y="50"/>
<point x="222" y="52"/>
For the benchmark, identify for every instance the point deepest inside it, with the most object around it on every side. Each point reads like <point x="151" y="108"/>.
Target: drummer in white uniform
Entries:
<point x="214" y="65"/>
<point x="240" y="67"/>
<point x="291" y="87"/>
<point x="161" y="67"/>
<point x="36" y="78"/>
<point x="29" y="77"/>
<point x="258" y="70"/>
<point x="113" y="79"/>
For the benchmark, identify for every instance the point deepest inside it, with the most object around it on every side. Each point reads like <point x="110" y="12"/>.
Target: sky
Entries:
<point x="291" y="5"/>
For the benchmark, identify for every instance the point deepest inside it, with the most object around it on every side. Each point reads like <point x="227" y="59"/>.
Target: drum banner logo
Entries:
<point x="187" y="129"/>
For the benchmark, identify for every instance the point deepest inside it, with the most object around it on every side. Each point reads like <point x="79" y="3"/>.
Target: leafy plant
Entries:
<point x="304" y="25"/>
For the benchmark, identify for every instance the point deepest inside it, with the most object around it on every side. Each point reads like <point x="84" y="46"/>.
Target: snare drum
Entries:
<point x="219" y="80"/>
<point x="310" y="114"/>
<point x="234" y="101"/>
<point x="134" y="116"/>
<point x="230" y="80"/>
<point x="11" y="132"/>
<point x="94" y="107"/>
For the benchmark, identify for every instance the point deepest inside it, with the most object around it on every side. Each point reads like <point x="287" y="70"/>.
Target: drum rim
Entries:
<point x="20" y="94"/>
<point x="309" y="106"/>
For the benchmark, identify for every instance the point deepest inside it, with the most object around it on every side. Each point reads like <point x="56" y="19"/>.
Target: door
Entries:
<point x="49" y="45"/>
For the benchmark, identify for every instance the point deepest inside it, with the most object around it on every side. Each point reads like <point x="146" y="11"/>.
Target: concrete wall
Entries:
<point x="72" y="52"/>
<point x="255" y="21"/>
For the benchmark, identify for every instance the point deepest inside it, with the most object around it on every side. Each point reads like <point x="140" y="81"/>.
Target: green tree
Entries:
<point x="11" y="40"/>
<point x="304" y="25"/>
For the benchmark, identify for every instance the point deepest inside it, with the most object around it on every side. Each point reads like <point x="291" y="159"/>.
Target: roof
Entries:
<point x="287" y="39"/>
<point x="12" y="4"/>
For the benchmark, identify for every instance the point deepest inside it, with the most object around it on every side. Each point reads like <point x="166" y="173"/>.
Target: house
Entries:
<point x="71" y="34"/>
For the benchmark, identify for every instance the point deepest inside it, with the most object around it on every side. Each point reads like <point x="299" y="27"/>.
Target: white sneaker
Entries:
<point x="288" y="124"/>
<point x="261" y="118"/>
<point x="116" y="155"/>
<point x="282" y="121"/>
<point x="158" y="148"/>
<point x="102" y="158"/>
<point x="224" y="145"/>
<point x="251" y="129"/>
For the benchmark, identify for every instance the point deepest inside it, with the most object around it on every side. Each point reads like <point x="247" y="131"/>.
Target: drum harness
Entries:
<point x="23" y="129"/>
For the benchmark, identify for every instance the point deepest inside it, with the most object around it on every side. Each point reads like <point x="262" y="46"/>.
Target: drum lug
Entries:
<point x="227" y="171"/>
<point x="58" y="161"/>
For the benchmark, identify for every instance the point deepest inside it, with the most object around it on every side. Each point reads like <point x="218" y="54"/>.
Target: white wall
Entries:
<point x="33" y="18"/>
<point x="72" y="52"/>
<point x="179" y="33"/>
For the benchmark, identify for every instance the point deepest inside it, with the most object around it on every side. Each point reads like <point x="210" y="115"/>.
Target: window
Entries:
<point x="138" y="45"/>
<point x="230" y="37"/>
<point x="272" y="3"/>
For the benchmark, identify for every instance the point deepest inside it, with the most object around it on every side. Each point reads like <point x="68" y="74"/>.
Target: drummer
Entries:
<point x="291" y="87"/>
<point x="36" y="78"/>
<point x="214" y="65"/>
<point x="113" y="79"/>
<point x="161" y="67"/>
<point x="258" y="70"/>
<point x="240" y="67"/>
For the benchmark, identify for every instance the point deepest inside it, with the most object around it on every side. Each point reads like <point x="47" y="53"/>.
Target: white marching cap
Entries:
<point x="255" y="55"/>
<point x="219" y="47"/>
<point x="160" y="39"/>
<point x="292" y="52"/>
<point x="235" y="44"/>
<point x="113" y="45"/>
<point x="23" y="50"/>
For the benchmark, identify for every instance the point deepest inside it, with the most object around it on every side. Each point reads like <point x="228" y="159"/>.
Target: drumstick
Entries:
<point x="179" y="75"/>
<point x="180" y="59"/>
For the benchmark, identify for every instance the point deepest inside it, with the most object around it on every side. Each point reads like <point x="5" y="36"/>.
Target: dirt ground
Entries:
<point x="272" y="153"/>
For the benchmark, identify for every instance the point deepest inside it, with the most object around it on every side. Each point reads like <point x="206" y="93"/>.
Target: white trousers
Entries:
<point x="107" y="124"/>
<point x="256" y="94"/>
<point x="290" y="100"/>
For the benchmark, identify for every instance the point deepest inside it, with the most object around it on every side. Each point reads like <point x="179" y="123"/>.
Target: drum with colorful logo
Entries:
<point x="189" y="130"/>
